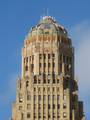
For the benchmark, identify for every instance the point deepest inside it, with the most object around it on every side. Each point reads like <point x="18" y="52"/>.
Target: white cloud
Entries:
<point x="81" y="36"/>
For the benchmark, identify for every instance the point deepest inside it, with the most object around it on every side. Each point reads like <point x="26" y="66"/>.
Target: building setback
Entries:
<point x="47" y="89"/>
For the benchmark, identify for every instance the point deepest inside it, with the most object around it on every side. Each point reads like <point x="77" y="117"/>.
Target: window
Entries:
<point x="20" y="107"/>
<point x="58" y="89"/>
<point x="48" y="106"/>
<point x="32" y="57"/>
<point x="27" y="83"/>
<point x="44" y="56"/>
<point x="49" y="65"/>
<point x="35" y="80"/>
<point x="64" y="97"/>
<point x="64" y="114"/>
<point x="44" y="64"/>
<point x="34" y="97"/>
<point x="32" y="67"/>
<point x="63" y="58"/>
<point x="44" y="106"/>
<point x="28" y="95"/>
<point x="48" y="97"/>
<point x="20" y="97"/>
<point x="58" y="116"/>
<point x="53" y="97"/>
<point x="26" y="68"/>
<point x="48" y="80"/>
<point x="64" y="105"/>
<point x="39" y="81"/>
<point x="39" y="97"/>
<point x="27" y="59"/>
<point x="44" y="89"/>
<point x="40" y="56"/>
<point x="49" y="116"/>
<point x="53" y="115"/>
<point x="22" y="116"/>
<point x="58" y="97"/>
<point x="28" y="106"/>
<point x="58" y="106"/>
<point x="28" y="115"/>
<point x="53" y="55"/>
<point x="24" y="60"/>
<point x="39" y="106"/>
<point x="60" y="57"/>
<point x="58" y="81"/>
<point x="44" y="97"/>
<point x="53" y="80"/>
<point x="39" y="89"/>
<point x="44" y="80"/>
<point x="53" y="106"/>
<point x="48" y="89"/>
<point x="34" y="106"/>
<point x="53" y="64"/>
<point x="53" y="89"/>
<point x="34" y="89"/>
<point x="34" y="115"/>
<point x="40" y="64"/>
<point x="60" y="67"/>
<point x="48" y="56"/>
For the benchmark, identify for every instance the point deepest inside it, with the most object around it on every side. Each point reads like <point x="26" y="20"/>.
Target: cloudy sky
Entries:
<point x="16" y="19"/>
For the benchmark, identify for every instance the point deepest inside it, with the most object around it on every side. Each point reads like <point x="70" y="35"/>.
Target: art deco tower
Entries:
<point x="47" y="89"/>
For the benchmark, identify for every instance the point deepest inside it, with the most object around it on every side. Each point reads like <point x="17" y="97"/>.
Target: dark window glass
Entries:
<point x="28" y="115"/>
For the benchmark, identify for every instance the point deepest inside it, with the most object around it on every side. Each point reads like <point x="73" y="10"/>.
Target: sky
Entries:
<point x="16" y="19"/>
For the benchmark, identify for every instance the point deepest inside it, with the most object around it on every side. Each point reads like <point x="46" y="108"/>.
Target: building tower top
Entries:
<point x="50" y="24"/>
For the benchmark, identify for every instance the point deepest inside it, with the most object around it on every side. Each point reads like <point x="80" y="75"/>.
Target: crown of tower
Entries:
<point x="49" y="24"/>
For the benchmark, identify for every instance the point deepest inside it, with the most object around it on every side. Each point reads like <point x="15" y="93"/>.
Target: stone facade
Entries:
<point x="47" y="89"/>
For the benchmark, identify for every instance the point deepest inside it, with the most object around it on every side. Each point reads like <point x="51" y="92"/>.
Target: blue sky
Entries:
<point x="16" y="19"/>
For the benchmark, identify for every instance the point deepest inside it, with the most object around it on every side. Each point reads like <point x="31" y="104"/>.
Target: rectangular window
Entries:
<point x="53" y="55"/>
<point x="44" y="64"/>
<point x="40" y="56"/>
<point x="48" y="56"/>
<point x="58" y="80"/>
<point x="39" y="81"/>
<point x="44" y="80"/>
<point x="53" y="106"/>
<point x="48" y="80"/>
<point x="40" y="65"/>
<point x="34" y="97"/>
<point x="27" y="59"/>
<point x="39" y="97"/>
<point x="60" y="57"/>
<point x="58" y="106"/>
<point x="53" y="64"/>
<point x="49" y="106"/>
<point x="64" y="114"/>
<point x="64" y="105"/>
<point x="60" y="67"/>
<point x="26" y="68"/>
<point x="28" y="106"/>
<point x="53" y="80"/>
<point x="58" y="97"/>
<point x="44" y="56"/>
<point x="20" y="97"/>
<point x="28" y="97"/>
<point x="20" y="107"/>
<point x="48" y="97"/>
<point x="28" y="115"/>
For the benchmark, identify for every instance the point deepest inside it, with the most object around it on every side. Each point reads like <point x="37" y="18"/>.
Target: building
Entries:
<point x="47" y="89"/>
